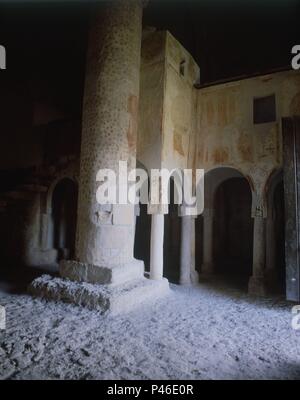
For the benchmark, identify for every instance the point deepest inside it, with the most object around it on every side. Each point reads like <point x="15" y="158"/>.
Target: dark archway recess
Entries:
<point x="172" y="238"/>
<point x="233" y="229"/>
<point x="143" y="236"/>
<point x="64" y="214"/>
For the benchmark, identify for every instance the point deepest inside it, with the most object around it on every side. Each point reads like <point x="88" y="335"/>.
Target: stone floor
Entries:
<point x="207" y="332"/>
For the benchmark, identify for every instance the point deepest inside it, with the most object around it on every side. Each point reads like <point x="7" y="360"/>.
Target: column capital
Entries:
<point x="157" y="209"/>
<point x="184" y="212"/>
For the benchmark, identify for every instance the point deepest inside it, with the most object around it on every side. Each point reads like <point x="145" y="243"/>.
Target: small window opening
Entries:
<point x="182" y="68"/>
<point x="264" y="109"/>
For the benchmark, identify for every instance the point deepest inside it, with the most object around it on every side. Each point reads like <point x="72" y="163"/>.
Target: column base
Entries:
<point x="194" y="277"/>
<point x="104" y="298"/>
<point x="82" y="272"/>
<point x="257" y="286"/>
<point x="185" y="282"/>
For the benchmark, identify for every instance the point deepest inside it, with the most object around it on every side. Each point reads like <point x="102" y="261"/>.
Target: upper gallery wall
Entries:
<point x="239" y="123"/>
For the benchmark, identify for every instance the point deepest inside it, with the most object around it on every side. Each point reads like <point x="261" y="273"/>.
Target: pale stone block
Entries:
<point x="81" y="272"/>
<point x="104" y="298"/>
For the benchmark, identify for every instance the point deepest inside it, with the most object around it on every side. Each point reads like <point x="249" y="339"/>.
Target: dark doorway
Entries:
<point x="64" y="215"/>
<point x="172" y="235"/>
<point x="233" y="229"/>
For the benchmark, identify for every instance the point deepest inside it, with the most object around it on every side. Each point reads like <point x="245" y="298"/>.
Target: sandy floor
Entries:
<point x="194" y="333"/>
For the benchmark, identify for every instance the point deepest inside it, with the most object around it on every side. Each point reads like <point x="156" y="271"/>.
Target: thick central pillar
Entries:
<point x="105" y="233"/>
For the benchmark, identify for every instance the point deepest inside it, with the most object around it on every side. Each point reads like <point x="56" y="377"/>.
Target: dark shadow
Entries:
<point x="172" y="238"/>
<point x="64" y="214"/>
<point x="233" y="231"/>
<point x="143" y="236"/>
<point x="15" y="280"/>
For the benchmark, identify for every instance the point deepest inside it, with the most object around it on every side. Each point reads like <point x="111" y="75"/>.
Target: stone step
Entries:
<point x="112" y="299"/>
<point x="81" y="272"/>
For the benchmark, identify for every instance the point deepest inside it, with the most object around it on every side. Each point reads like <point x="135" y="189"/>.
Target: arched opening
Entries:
<point x="233" y="229"/>
<point x="64" y="216"/>
<point x="276" y="273"/>
<point x="224" y="233"/>
<point x="143" y="236"/>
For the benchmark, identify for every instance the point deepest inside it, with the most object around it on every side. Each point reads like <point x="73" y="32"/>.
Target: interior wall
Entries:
<point x="227" y="135"/>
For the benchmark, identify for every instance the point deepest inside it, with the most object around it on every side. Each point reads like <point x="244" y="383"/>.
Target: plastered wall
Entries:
<point x="168" y="100"/>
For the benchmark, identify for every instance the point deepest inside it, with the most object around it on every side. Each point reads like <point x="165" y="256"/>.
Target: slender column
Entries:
<point x="259" y="246"/>
<point x="270" y="244"/>
<point x="157" y="246"/>
<point x="271" y="273"/>
<point x="194" y="273"/>
<point x="257" y="281"/>
<point x="186" y="250"/>
<point x="208" y="220"/>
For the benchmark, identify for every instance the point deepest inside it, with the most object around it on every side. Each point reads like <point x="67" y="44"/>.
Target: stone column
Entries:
<point x="271" y="273"/>
<point x="157" y="246"/>
<point x="105" y="234"/>
<point x="194" y="273"/>
<point x="270" y="243"/>
<point x="185" y="250"/>
<point x="257" y="280"/>
<point x="208" y="263"/>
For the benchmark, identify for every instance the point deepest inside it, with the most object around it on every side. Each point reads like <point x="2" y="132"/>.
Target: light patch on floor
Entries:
<point x="203" y="332"/>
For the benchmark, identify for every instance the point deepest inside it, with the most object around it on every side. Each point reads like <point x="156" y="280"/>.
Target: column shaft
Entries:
<point x="259" y="246"/>
<point x="186" y="250"/>
<point x="157" y="246"/>
<point x="257" y="283"/>
<point x="109" y="129"/>
<point x="208" y="264"/>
